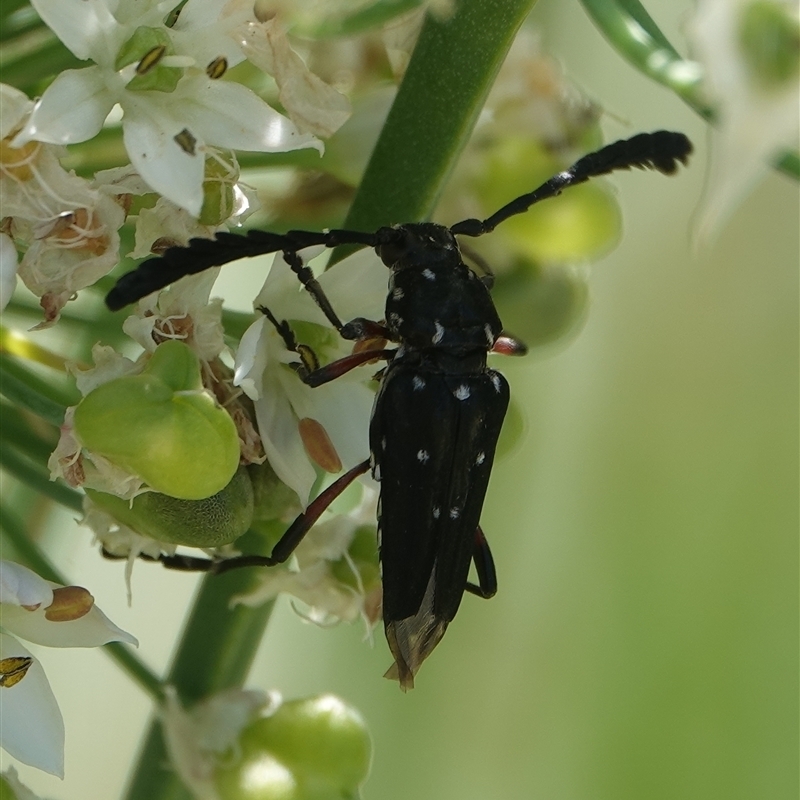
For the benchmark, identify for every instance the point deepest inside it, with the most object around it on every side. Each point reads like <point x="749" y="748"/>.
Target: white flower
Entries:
<point x="752" y="73"/>
<point x="197" y="739"/>
<point x="324" y="575"/>
<point x="182" y="312"/>
<point x="355" y="287"/>
<point x="46" y="614"/>
<point x="312" y="104"/>
<point x="171" y="108"/>
<point x="166" y="224"/>
<point x="66" y="227"/>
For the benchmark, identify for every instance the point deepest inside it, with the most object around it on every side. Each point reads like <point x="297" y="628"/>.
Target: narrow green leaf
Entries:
<point x="635" y="36"/>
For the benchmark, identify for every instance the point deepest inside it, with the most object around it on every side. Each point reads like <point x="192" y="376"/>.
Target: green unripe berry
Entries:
<point x="317" y="748"/>
<point x="769" y="37"/>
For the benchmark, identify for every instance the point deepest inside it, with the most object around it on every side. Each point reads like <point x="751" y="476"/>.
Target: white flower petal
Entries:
<point x="230" y="115"/>
<point x="21" y="586"/>
<point x="15" y="105"/>
<point x="251" y="360"/>
<point x="310" y="102"/>
<point x="280" y="436"/>
<point x="31" y="725"/>
<point x="91" y="630"/>
<point x="357" y="285"/>
<point x="159" y="159"/>
<point x="203" y="30"/>
<point x="78" y="23"/>
<point x="8" y="269"/>
<point x="72" y="109"/>
<point x="343" y="407"/>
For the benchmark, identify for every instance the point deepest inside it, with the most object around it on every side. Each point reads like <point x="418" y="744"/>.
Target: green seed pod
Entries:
<point x="210" y="522"/>
<point x="163" y="426"/>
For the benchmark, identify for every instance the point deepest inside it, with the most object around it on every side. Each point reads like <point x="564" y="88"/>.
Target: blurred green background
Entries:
<point x="644" y="641"/>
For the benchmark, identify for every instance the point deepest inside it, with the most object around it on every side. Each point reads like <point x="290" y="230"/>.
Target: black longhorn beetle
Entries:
<point x="439" y="409"/>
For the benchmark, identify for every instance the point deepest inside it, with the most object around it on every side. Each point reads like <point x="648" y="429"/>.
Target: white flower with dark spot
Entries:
<point x="356" y="287"/>
<point x="171" y="108"/>
<point x="44" y="613"/>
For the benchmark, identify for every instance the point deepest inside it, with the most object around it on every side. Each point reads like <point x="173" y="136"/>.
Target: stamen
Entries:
<point x="69" y="603"/>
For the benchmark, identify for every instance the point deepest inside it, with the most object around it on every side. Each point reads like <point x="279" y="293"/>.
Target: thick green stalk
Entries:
<point x="452" y="69"/>
<point x="216" y="651"/>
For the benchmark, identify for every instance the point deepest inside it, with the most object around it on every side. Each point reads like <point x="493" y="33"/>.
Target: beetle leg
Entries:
<point x="286" y="545"/>
<point x="309" y="370"/>
<point x="484" y="566"/>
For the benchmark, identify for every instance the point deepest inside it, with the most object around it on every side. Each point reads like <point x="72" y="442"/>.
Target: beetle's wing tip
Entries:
<point x="411" y="641"/>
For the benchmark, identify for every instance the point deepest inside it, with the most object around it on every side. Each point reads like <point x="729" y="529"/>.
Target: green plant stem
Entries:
<point x="216" y="651"/>
<point x="33" y="558"/>
<point x="450" y="73"/>
<point x="632" y="32"/>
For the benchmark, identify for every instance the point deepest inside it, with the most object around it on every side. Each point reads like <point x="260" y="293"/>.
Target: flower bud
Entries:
<point x="162" y="426"/>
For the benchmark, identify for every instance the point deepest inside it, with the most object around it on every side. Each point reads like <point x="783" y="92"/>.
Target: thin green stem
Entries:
<point x="32" y="557"/>
<point x="16" y="430"/>
<point x="633" y="33"/>
<point x="37" y="478"/>
<point x="21" y="386"/>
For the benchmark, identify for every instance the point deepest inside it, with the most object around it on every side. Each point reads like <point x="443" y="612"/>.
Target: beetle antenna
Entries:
<point x="660" y="150"/>
<point x="201" y="254"/>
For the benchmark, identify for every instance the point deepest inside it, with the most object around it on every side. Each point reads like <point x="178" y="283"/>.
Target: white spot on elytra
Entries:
<point x="418" y="383"/>
<point x="383" y="443"/>
<point x="376" y="472"/>
<point x="397" y="294"/>
<point x="496" y="383"/>
<point x="439" y="335"/>
<point x="480" y="458"/>
<point x="429" y="275"/>
<point x="462" y="392"/>
<point x="395" y="319"/>
<point x="436" y="512"/>
<point x="423" y="456"/>
<point x="455" y="512"/>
